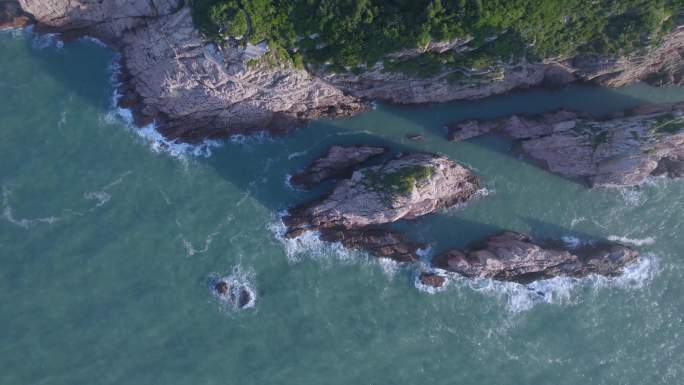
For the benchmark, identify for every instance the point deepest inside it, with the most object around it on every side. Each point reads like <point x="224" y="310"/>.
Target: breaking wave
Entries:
<point x="239" y="279"/>
<point x="555" y="291"/>
<point x="149" y="134"/>
<point x="632" y="241"/>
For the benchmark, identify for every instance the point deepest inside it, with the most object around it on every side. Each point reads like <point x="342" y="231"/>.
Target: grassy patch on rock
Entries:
<point x="399" y="182"/>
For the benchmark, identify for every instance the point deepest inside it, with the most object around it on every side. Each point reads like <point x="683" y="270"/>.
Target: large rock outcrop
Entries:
<point x="403" y="188"/>
<point x="519" y="258"/>
<point x="618" y="150"/>
<point x="195" y="89"/>
<point x="338" y="162"/>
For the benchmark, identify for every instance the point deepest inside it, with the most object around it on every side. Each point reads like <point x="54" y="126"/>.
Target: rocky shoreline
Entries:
<point x="354" y="213"/>
<point x="195" y="89"/>
<point x="621" y="149"/>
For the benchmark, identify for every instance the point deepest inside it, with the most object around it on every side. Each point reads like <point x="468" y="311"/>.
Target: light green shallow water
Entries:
<point x="107" y="248"/>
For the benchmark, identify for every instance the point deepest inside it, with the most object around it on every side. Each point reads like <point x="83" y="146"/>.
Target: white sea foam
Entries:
<point x="26" y="223"/>
<point x="102" y="196"/>
<point x="239" y="279"/>
<point x="45" y="41"/>
<point x="149" y="134"/>
<point x="632" y="241"/>
<point x="574" y="242"/>
<point x="297" y="154"/>
<point x="633" y="196"/>
<point x="555" y="291"/>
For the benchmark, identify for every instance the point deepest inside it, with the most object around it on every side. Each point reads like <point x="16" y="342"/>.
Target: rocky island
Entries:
<point x="520" y="258"/>
<point x="622" y="149"/>
<point x="406" y="187"/>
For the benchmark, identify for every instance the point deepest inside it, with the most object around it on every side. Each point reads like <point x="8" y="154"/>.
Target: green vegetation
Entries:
<point x="399" y="182"/>
<point x="347" y="34"/>
<point x="668" y="124"/>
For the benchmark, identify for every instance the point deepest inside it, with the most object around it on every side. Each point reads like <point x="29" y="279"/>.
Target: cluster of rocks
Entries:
<point x="196" y="89"/>
<point x="621" y="149"/>
<point x="519" y="258"/>
<point x="413" y="185"/>
<point x="238" y="295"/>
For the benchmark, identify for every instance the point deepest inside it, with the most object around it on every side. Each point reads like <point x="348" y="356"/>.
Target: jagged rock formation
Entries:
<point x="12" y="16"/>
<point x="403" y="188"/>
<point x="519" y="258"/>
<point x="338" y="162"/>
<point x="618" y="150"/>
<point x="191" y="87"/>
<point x="378" y="242"/>
<point x="238" y="295"/>
<point x="195" y="89"/>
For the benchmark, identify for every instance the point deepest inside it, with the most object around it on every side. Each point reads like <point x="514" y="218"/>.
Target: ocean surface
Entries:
<point x="109" y="239"/>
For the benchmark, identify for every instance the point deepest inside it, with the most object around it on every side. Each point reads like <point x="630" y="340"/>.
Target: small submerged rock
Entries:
<point x="519" y="258"/>
<point x="338" y="162"/>
<point x="237" y="294"/>
<point x="416" y="137"/>
<point x="431" y="279"/>
<point x="622" y="149"/>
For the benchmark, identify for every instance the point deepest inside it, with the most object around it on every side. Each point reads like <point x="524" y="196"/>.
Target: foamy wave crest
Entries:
<point x="633" y="196"/>
<point x="149" y="134"/>
<point x="632" y="241"/>
<point x="26" y="223"/>
<point x="102" y="196"/>
<point x="45" y="41"/>
<point x="310" y="245"/>
<point x="555" y="291"/>
<point x="259" y="137"/>
<point x="297" y="154"/>
<point x="240" y="279"/>
<point x="574" y="242"/>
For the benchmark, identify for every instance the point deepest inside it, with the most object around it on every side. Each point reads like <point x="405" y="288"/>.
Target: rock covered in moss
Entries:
<point x="406" y="187"/>
<point x="338" y="162"/>
<point x="519" y="258"/>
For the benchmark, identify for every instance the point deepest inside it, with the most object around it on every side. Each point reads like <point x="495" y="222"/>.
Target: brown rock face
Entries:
<point x="618" y="150"/>
<point x="378" y="242"/>
<point x="429" y="279"/>
<point x="403" y="188"/>
<point x="12" y="16"/>
<point x="338" y="162"/>
<point x="192" y="88"/>
<point x="518" y="258"/>
<point x="195" y="89"/>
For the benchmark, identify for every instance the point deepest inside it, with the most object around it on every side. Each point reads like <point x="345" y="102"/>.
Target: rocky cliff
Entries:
<point x="196" y="89"/>
<point x="193" y="88"/>
<point x="618" y="150"/>
<point x="338" y="162"/>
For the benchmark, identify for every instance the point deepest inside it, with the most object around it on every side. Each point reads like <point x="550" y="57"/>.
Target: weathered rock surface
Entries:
<point x="195" y="89"/>
<point x="378" y="242"/>
<point x="12" y="16"/>
<point x="403" y="188"/>
<point x="192" y="88"/>
<point x="519" y="258"/>
<point x="618" y="150"/>
<point x="662" y="64"/>
<point x="338" y="162"/>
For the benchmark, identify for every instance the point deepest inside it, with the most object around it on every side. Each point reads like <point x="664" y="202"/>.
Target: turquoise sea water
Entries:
<point x="108" y="244"/>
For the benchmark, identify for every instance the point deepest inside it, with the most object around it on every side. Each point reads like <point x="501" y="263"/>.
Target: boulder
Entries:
<point x="338" y="162"/>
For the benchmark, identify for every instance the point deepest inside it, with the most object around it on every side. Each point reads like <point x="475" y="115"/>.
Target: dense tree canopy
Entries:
<point x="352" y="33"/>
